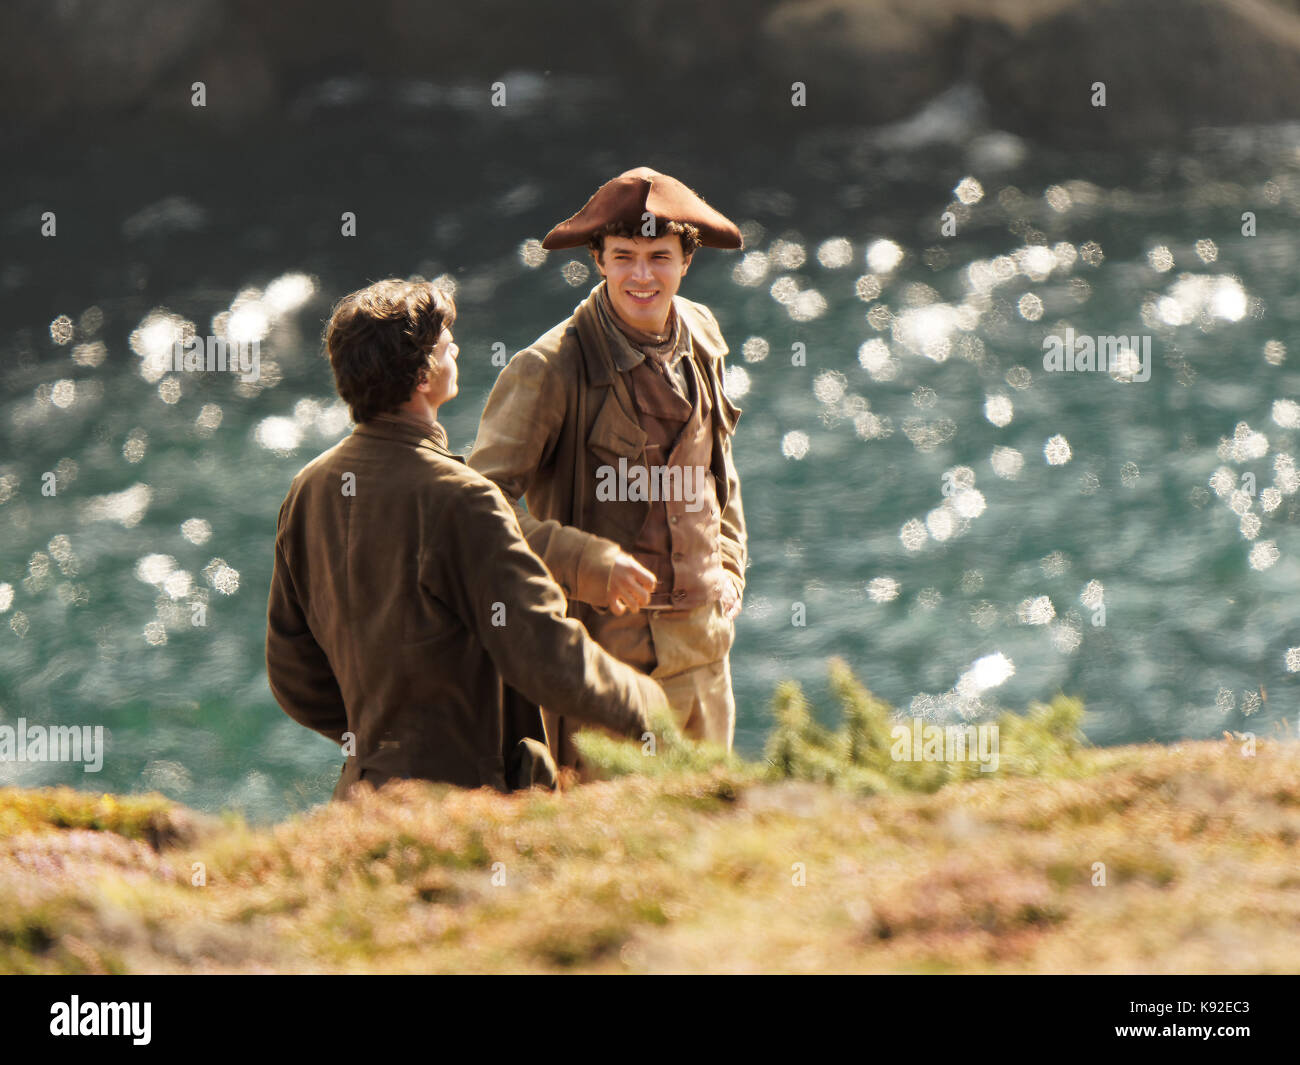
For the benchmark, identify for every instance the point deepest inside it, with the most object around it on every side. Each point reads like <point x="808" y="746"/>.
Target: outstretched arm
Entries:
<point x="480" y="559"/>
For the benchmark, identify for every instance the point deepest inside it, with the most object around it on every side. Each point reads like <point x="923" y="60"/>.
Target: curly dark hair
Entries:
<point x="688" y="234"/>
<point x="379" y="339"/>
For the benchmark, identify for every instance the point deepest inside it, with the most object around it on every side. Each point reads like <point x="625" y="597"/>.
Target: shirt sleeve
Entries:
<point x="297" y="669"/>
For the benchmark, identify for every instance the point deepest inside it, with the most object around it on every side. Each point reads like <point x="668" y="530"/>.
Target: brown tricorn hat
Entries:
<point x="629" y="196"/>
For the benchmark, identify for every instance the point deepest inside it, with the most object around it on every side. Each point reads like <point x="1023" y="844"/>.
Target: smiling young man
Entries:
<point x="615" y="430"/>
<point x="406" y="609"/>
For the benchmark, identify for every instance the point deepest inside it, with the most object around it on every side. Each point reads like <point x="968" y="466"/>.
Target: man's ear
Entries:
<point x="686" y="263"/>
<point x="596" y="258"/>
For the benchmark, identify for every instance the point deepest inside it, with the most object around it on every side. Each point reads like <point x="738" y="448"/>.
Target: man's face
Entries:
<point x="442" y="380"/>
<point x="643" y="275"/>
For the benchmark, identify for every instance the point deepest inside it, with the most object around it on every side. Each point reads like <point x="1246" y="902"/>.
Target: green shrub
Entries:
<point x="858" y="756"/>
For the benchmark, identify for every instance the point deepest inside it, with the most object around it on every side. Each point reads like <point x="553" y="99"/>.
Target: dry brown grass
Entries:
<point x="685" y="872"/>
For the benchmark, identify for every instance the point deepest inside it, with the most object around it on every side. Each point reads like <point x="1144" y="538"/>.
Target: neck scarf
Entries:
<point x="662" y="349"/>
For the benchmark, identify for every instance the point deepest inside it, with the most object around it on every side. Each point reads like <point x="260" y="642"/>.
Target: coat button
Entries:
<point x="679" y="595"/>
<point x="674" y="519"/>
<point x="678" y="556"/>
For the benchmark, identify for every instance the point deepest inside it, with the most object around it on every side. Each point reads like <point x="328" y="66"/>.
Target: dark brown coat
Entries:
<point x="413" y="615"/>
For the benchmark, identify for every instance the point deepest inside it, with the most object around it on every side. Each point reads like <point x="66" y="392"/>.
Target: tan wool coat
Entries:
<point x="560" y="409"/>
<point x="407" y="609"/>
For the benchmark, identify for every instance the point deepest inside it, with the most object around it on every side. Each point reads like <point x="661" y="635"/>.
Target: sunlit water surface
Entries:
<point x="969" y="530"/>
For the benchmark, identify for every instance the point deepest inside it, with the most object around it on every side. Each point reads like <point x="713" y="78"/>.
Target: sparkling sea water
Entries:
<point x="969" y="530"/>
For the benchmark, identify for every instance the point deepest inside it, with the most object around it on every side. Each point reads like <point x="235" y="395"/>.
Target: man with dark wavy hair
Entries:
<point x="615" y="429"/>
<point x="408" y="619"/>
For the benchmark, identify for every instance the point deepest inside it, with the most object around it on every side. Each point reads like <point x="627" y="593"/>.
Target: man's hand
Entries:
<point x="630" y="585"/>
<point x="730" y="596"/>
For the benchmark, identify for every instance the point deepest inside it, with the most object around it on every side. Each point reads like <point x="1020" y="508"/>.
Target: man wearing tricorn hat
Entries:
<point x="615" y="430"/>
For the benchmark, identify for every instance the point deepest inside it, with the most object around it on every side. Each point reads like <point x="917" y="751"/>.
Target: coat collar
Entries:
<point x="418" y="433"/>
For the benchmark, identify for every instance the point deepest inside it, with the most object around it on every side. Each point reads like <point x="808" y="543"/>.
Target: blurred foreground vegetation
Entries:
<point x="859" y="756"/>
<point x="828" y="856"/>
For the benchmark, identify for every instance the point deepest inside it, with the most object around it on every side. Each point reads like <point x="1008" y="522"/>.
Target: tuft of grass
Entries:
<point x="863" y="754"/>
<point x="152" y="818"/>
<point x="663" y="752"/>
<point x="860" y="755"/>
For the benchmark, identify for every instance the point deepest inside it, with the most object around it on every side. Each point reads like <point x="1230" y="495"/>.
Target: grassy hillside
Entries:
<point x="828" y="857"/>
